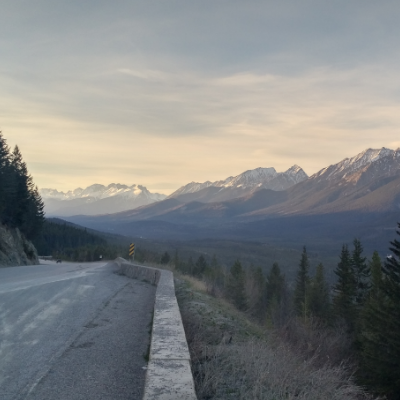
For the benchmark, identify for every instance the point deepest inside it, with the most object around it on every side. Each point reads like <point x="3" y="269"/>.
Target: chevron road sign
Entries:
<point x="132" y="250"/>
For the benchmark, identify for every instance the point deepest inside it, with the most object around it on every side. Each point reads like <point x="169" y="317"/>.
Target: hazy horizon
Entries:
<point x="163" y="94"/>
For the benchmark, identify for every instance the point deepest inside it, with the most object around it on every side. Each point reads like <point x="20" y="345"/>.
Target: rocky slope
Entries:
<point x="15" y="249"/>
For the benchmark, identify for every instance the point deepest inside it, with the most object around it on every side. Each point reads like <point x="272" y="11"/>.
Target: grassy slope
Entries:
<point x="235" y="358"/>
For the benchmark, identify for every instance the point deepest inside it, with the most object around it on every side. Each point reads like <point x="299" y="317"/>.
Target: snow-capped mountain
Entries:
<point x="245" y="183"/>
<point x="363" y="190"/>
<point x="97" y="199"/>
<point x="346" y="168"/>
<point x="367" y="182"/>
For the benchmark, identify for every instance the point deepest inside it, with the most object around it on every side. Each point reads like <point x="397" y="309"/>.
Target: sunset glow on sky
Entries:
<point x="164" y="93"/>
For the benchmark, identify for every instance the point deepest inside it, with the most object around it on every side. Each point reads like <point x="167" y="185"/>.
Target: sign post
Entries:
<point x="132" y="251"/>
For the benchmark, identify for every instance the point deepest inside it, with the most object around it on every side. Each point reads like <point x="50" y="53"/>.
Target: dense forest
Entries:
<point x="66" y="241"/>
<point x="357" y="320"/>
<point x="20" y="203"/>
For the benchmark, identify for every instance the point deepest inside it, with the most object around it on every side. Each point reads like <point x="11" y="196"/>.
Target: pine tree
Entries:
<point x="34" y="217"/>
<point x="345" y="290"/>
<point x="361" y="273"/>
<point x="275" y="288"/>
<point x="319" y="303"/>
<point x="380" y="340"/>
<point x="236" y="286"/>
<point x="376" y="276"/>
<point x="302" y="286"/>
<point x="214" y="276"/>
<point x="22" y="184"/>
<point x="255" y="292"/>
<point x="5" y="179"/>
<point x="200" y="266"/>
<point x="165" y="258"/>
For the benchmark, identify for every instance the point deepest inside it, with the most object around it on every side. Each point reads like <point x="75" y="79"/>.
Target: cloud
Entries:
<point x="151" y="93"/>
<point x="147" y="75"/>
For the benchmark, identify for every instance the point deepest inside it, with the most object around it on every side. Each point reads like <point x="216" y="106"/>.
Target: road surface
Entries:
<point x="73" y="331"/>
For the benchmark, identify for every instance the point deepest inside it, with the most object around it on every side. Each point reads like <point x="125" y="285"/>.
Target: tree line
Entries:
<point x="64" y="241"/>
<point x="21" y="205"/>
<point x="67" y="242"/>
<point x="364" y="302"/>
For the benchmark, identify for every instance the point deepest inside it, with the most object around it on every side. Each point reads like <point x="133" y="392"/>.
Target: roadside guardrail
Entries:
<point x="169" y="375"/>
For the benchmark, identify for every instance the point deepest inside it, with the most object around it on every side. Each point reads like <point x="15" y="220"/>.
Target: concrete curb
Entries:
<point x="169" y="375"/>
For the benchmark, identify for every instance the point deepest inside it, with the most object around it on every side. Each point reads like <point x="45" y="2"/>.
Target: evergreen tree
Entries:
<point x="345" y="290"/>
<point x="20" y="203"/>
<point x="177" y="261"/>
<point x="34" y="217"/>
<point x="236" y="286"/>
<point x="361" y="274"/>
<point x="380" y="356"/>
<point x="22" y="183"/>
<point x="319" y="303"/>
<point x="375" y="267"/>
<point x="214" y="276"/>
<point x="255" y="292"/>
<point x="5" y="177"/>
<point x="302" y="286"/>
<point x="165" y="258"/>
<point x="200" y="266"/>
<point x="275" y="288"/>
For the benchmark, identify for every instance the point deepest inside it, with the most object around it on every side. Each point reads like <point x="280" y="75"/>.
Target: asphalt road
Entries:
<point x="73" y="332"/>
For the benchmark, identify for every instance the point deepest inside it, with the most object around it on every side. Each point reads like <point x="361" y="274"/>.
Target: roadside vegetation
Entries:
<point x="255" y="336"/>
<point x="236" y="358"/>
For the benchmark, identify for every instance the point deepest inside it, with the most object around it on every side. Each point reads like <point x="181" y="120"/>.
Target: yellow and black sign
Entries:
<point x="131" y="249"/>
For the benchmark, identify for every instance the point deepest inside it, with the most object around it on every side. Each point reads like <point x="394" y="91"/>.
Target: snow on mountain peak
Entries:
<point x="98" y="192"/>
<point x="349" y="166"/>
<point x="251" y="179"/>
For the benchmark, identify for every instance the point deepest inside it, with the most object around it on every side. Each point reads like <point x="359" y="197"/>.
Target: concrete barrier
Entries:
<point x="169" y="375"/>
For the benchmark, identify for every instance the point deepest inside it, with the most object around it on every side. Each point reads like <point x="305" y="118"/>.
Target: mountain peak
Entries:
<point x="349" y="166"/>
<point x="250" y="180"/>
<point x="98" y="199"/>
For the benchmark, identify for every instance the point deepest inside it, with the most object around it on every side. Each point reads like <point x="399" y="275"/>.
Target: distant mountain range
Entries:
<point x="359" y="196"/>
<point x="368" y="182"/>
<point x="97" y="199"/>
<point x="241" y="185"/>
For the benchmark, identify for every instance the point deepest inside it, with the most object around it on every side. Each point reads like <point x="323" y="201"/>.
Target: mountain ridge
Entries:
<point x="367" y="182"/>
<point x="241" y="185"/>
<point x="97" y="199"/>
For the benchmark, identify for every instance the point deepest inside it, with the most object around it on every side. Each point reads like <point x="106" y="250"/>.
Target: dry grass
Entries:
<point x="256" y="364"/>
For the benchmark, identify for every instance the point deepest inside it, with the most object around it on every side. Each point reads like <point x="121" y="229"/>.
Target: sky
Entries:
<point x="162" y="93"/>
